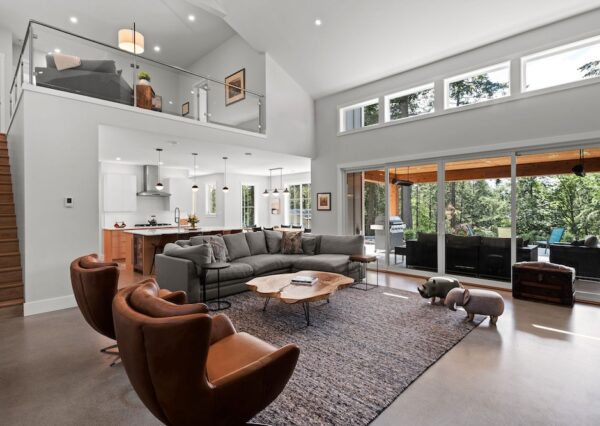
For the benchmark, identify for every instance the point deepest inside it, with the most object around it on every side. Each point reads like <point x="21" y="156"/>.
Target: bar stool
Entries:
<point x="364" y="260"/>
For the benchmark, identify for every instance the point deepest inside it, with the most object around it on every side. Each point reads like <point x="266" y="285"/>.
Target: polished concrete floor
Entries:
<point x="539" y="366"/>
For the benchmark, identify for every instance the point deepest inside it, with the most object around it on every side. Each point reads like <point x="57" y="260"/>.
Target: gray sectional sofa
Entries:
<point x="250" y="254"/>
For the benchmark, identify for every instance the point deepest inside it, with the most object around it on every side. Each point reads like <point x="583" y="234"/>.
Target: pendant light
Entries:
<point x="131" y="41"/>
<point x="159" y="186"/>
<point x="266" y="192"/>
<point x="195" y="186"/>
<point x="579" y="169"/>
<point x="405" y="182"/>
<point x="225" y="188"/>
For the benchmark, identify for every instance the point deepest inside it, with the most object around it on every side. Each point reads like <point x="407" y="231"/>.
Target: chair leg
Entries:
<point x="107" y="350"/>
<point x="116" y="361"/>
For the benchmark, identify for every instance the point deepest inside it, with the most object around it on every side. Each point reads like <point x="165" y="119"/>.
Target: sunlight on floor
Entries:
<point x="556" y="330"/>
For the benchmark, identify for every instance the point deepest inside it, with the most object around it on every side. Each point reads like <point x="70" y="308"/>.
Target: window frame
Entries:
<point x="553" y="51"/>
<point x="207" y="190"/>
<point x="388" y="98"/>
<point x="301" y="200"/>
<point x="245" y="207"/>
<point x="485" y="70"/>
<point x="361" y="105"/>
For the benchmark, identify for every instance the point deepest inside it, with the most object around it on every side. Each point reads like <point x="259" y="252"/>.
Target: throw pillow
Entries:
<point x="291" y="243"/>
<point x="237" y="246"/>
<point x="183" y="243"/>
<point x="309" y="245"/>
<point x="216" y="242"/>
<point x="200" y="254"/>
<point x="64" y="62"/>
<point x="273" y="241"/>
<point x="591" y="241"/>
<point x="257" y="242"/>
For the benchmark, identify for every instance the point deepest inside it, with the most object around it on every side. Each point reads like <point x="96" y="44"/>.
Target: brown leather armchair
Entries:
<point x="94" y="286"/>
<point x="191" y="369"/>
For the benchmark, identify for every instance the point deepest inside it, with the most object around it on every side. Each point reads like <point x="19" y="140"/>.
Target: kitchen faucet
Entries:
<point x="177" y="217"/>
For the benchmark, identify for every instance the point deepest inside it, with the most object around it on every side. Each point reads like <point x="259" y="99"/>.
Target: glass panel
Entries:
<point x="570" y="63"/>
<point x="306" y="206"/>
<point x="478" y="87"/>
<point x="413" y="217"/>
<point x="211" y="199"/>
<point x="359" y="115"/>
<point x="478" y="218"/>
<point x="100" y="71"/>
<point x="558" y="205"/>
<point x="354" y="196"/>
<point x="410" y="103"/>
<point x="374" y="205"/>
<point x="295" y="202"/>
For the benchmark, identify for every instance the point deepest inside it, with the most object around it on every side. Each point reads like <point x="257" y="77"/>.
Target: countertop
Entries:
<point x="173" y="231"/>
<point x="131" y="228"/>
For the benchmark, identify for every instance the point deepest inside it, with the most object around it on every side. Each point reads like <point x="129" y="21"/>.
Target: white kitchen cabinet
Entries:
<point x="120" y="193"/>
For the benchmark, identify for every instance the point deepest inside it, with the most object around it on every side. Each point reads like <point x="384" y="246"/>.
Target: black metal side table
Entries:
<point x="363" y="260"/>
<point x="220" y="304"/>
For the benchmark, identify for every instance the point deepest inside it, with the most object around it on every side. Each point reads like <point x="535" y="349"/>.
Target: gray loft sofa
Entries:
<point x="254" y="254"/>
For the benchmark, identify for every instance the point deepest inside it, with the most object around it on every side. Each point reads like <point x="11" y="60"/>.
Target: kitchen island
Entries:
<point x="143" y="243"/>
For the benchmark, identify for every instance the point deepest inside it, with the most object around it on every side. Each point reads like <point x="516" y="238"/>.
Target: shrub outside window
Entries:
<point x="408" y="103"/>
<point x="211" y="199"/>
<point x="561" y="65"/>
<point x="478" y="86"/>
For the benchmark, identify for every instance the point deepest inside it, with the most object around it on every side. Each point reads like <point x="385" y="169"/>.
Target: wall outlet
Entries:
<point x="69" y="202"/>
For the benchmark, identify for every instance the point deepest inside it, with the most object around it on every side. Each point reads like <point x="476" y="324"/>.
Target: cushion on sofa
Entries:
<point x="106" y="66"/>
<point x="291" y="243"/>
<point x="257" y="242"/>
<point x="183" y="243"/>
<point x="309" y="245"/>
<point x="273" y="241"/>
<point x="265" y="263"/>
<point x="237" y="246"/>
<point x="217" y="244"/>
<point x="337" y="263"/>
<point x="199" y="254"/>
<point x="236" y="271"/>
<point x="591" y="241"/>
<point x="341" y="244"/>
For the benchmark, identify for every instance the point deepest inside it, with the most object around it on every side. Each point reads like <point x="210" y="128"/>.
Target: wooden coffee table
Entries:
<point x="280" y="287"/>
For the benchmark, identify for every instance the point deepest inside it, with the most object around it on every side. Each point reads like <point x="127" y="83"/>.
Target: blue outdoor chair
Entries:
<point x="555" y="236"/>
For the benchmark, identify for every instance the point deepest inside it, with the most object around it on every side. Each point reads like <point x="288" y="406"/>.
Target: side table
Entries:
<point x="364" y="260"/>
<point x="220" y="304"/>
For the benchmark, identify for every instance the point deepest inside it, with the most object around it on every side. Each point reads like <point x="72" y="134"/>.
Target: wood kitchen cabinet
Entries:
<point x="117" y="246"/>
<point x="120" y="193"/>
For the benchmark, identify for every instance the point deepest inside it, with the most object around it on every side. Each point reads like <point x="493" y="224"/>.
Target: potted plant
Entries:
<point x="193" y="220"/>
<point x="143" y="78"/>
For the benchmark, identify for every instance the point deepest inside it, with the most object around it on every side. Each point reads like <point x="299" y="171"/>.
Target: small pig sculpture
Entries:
<point x="476" y="301"/>
<point x="437" y="287"/>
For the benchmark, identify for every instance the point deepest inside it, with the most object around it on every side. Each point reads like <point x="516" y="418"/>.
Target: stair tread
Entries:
<point x="11" y="302"/>
<point x="11" y="284"/>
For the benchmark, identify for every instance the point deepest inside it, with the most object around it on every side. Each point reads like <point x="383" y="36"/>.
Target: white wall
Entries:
<point x="231" y="56"/>
<point x="557" y="117"/>
<point x="6" y="50"/>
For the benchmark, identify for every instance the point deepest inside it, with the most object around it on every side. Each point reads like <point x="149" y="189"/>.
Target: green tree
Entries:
<point x="472" y="89"/>
<point x="371" y="114"/>
<point x="590" y="69"/>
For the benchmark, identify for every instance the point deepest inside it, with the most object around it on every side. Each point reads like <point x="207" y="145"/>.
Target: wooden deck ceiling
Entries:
<point x="545" y="164"/>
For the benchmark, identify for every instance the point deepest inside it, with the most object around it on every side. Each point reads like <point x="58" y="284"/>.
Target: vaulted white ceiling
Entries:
<point x="360" y="41"/>
<point x="162" y="22"/>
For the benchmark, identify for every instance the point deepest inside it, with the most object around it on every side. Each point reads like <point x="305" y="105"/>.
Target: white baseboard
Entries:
<point x="49" y="305"/>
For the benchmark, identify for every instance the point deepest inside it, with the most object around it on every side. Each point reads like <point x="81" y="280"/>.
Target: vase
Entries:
<point x="143" y="82"/>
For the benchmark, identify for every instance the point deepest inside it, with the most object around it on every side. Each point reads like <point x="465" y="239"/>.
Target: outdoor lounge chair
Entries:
<point x="555" y="236"/>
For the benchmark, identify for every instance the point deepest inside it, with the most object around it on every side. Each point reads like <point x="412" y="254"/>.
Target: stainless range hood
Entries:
<point x="149" y="183"/>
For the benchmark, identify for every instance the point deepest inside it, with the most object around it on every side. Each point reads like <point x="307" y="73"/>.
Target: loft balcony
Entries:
<point x="99" y="70"/>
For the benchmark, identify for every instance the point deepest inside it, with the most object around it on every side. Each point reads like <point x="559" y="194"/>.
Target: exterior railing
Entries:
<point x="109" y="73"/>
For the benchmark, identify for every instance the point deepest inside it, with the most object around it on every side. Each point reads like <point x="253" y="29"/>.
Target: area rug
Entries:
<point x="360" y="352"/>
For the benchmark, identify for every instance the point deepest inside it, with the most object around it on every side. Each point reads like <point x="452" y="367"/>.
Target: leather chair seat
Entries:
<point x="234" y="352"/>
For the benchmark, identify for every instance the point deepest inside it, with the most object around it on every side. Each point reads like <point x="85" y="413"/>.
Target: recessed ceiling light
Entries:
<point x="157" y="48"/>
<point x="118" y="158"/>
<point x="192" y="92"/>
<point x="57" y="50"/>
<point x="191" y="18"/>
<point x="318" y="22"/>
<point x="73" y="19"/>
<point x="160" y="163"/>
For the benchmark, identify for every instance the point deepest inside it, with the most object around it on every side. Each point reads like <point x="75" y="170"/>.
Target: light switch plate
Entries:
<point x="69" y="202"/>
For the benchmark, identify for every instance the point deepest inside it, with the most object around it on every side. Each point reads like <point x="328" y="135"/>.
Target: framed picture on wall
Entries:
<point x="324" y="201"/>
<point x="185" y="109"/>
<point x="235" y="87"/>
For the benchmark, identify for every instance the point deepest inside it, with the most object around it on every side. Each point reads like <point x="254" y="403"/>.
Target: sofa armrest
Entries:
<point x="178" y="274"/>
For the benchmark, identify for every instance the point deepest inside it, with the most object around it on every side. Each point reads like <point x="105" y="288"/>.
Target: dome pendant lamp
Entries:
<point x="225" y="188"/>
<point x="195" y="186"/>
<point x="159" y="186"/>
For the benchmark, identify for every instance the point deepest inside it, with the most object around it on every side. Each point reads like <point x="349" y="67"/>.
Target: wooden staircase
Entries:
<point x="11" y="277"/>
